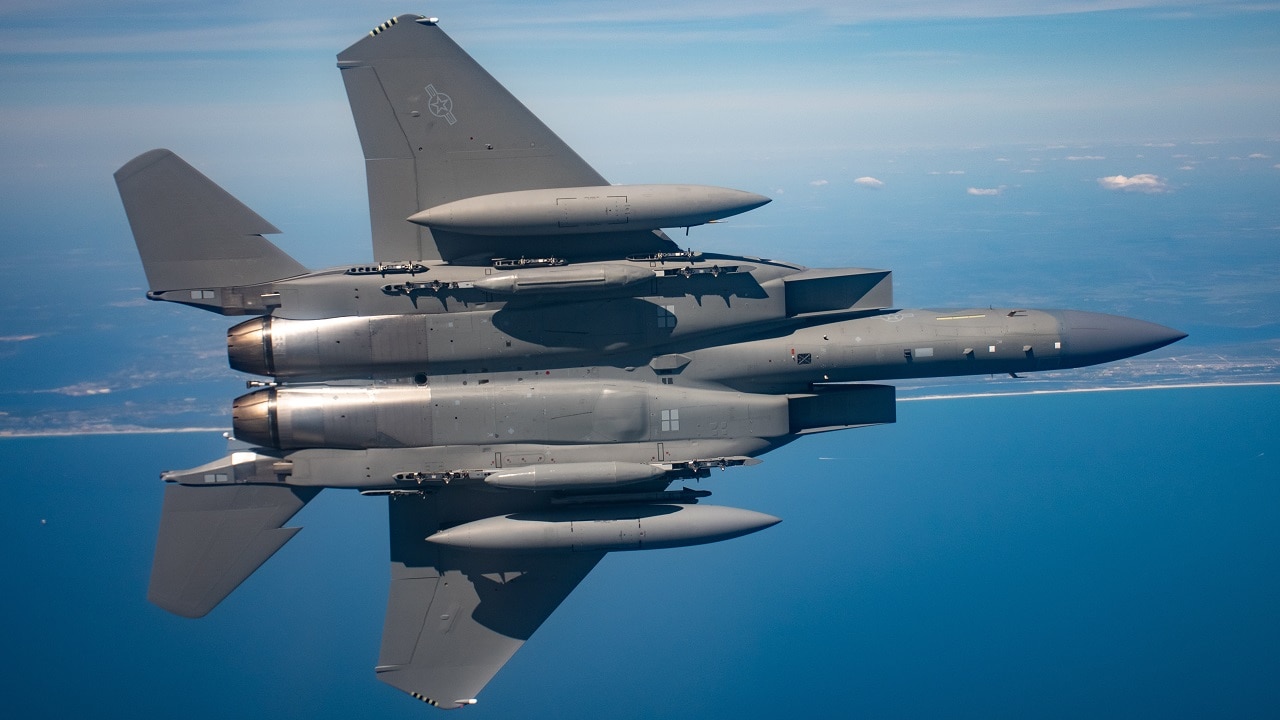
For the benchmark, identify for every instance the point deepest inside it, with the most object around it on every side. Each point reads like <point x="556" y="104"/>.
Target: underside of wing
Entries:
<point x="454" y="617"/>
<point x="435" y="127"/>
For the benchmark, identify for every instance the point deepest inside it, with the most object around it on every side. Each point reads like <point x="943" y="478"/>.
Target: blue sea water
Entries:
<point x="1089" y="554"/>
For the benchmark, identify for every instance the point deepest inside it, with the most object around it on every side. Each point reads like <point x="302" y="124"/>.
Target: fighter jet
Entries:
<point x="527" y="368"/>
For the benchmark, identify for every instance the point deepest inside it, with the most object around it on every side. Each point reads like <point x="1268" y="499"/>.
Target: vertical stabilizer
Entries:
<point x="436" y="127"/>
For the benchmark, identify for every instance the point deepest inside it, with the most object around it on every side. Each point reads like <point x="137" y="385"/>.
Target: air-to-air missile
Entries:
<point x="526" y="366"/>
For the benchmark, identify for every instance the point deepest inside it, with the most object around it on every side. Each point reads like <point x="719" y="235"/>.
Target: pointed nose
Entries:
<point x="1092" y="338"/>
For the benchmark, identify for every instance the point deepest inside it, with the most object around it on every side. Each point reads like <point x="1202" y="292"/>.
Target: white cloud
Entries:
<point x="81" y="390"/>
<point x="1259" y="156"/>
<point x="868" y="182"/>
<point x="17" y="338"/>
<point x="1144" y="183"/>
<point x="1076" y="158"/>
<point x="818" y="183"/>
<point x="985" y="191"/>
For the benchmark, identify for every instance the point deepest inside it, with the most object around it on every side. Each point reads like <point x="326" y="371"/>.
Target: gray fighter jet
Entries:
<point x="525" y="368"/>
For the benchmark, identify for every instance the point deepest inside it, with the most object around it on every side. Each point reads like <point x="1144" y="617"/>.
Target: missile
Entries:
<point x="574" y="476"/>
<point x="602" y="529"/>
<point x="605" y="208"/>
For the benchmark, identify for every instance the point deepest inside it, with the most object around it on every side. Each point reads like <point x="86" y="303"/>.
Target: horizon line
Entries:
<point x="19" y="434"/>
<point x="1064" y="391"/>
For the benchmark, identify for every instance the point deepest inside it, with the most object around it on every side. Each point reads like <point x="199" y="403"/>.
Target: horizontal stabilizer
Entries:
<point x="192" y="233"/>
<point x="212" y="538"/>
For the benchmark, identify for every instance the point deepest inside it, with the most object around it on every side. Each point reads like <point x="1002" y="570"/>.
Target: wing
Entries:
<point x="454" y="617"/>
<point x="435" y="127"/>
<point x="212" y="538"/>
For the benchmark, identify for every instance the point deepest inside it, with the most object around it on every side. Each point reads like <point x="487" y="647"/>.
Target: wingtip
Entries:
<point x="443" y="705"/>
<point x="143" y="160"/>
<point x="178" y="606"/>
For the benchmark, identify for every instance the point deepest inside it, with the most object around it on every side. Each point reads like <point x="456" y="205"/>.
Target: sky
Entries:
<point x="1107" y="156"/>
<point x="652" y="92"/>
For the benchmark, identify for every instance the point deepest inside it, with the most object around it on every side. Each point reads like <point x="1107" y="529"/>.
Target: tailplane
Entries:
<point x="212" y="538"/>
<point x="191" y="233"/>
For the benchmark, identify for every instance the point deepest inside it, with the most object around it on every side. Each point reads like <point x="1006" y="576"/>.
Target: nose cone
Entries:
<point x="1092" y="338"/>
<point x="749" y="201"/>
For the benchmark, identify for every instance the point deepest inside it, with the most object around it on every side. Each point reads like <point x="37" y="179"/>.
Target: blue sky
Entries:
<point x="705" y="76"/>
<point x="714" y="92"/>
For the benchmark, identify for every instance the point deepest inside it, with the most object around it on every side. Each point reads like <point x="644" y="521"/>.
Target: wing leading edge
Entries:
<point x="454" y="617"/>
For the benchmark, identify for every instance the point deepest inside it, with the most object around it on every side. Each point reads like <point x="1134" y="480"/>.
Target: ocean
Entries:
<point x="1099" y="553"/>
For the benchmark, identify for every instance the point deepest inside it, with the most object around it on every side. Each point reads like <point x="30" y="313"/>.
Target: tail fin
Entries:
<point x="192" y="233"/>
<point x="436" y="127"/>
